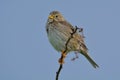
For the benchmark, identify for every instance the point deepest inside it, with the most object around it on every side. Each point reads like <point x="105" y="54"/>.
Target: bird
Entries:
<point x="59" y="30"/>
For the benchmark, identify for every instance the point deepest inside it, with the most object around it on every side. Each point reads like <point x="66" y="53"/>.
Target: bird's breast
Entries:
<point x="57" y="39"/>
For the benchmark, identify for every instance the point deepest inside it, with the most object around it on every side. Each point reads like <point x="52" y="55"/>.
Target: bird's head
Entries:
<point x="55" y="16"/>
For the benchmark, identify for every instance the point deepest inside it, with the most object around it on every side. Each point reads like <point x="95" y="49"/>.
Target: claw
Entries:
<point x="63" y="55"/>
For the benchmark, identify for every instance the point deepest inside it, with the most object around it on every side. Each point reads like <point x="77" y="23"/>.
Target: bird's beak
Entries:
<point x="51" y="17"/>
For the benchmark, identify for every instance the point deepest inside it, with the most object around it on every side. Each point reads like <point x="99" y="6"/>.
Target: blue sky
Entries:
<point x="26" y="54"/>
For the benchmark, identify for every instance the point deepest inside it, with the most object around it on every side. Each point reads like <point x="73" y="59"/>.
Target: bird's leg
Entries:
<point x="63" y="55"/>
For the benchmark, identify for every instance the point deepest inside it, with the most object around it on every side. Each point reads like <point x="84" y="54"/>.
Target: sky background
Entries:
<point x="26" y="54"/>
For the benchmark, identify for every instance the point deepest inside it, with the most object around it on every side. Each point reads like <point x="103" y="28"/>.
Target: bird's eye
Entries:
<point x="56" y="16"/>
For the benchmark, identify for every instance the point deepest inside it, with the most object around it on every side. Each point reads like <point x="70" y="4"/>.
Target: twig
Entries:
<point x="74" y="31"/>
<point x="58" y="72"/>
<point x="61" y="65"/>
<point x="76" y="56"/>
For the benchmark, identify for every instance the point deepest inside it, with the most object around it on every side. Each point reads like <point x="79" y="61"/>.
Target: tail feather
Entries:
<point x="90" y="59"/>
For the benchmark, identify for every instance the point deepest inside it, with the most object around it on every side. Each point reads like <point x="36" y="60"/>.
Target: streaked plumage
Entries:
<point x="59" y="30"/>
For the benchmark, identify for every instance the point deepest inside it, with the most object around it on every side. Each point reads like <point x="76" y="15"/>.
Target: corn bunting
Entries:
<point x="59" y="31"/>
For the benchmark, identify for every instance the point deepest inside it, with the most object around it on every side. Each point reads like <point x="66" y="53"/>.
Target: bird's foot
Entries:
<point x="61" y="60"/>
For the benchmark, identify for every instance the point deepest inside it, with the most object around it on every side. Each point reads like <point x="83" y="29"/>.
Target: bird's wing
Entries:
<point x="67" y="24"/>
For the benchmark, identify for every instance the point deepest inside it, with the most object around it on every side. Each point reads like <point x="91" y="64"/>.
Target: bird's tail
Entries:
<point x="89" y="59"/>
